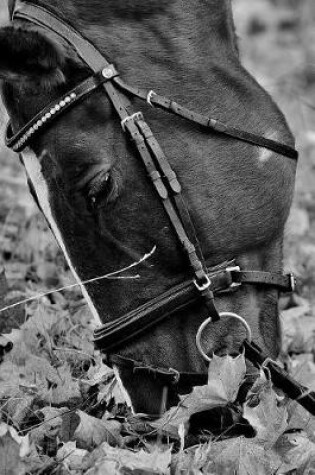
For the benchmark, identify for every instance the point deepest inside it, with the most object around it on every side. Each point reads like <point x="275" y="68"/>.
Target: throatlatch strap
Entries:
<point x="205" y="121"/>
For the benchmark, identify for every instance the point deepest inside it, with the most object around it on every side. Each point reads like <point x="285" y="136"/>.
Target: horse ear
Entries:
<point x="26" y="55"/>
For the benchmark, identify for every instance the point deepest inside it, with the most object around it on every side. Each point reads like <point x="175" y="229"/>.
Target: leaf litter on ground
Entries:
<point x="37" y="384"/>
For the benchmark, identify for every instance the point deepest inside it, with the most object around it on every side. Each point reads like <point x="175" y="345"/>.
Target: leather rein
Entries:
<point x="203" y="283"/>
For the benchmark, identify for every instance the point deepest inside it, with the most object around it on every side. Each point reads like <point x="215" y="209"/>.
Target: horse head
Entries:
<point x="95" y="193"/>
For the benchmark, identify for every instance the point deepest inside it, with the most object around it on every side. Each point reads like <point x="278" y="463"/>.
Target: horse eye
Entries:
<point x="100" y="189"/>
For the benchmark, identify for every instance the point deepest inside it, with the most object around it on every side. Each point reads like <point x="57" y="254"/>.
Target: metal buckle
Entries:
<point x="135" y="116"/>
<point x="292" y="282"/>
<point x="176" y="375"/>
<point x="204" y="286"/>
<point x="228" y="270"/>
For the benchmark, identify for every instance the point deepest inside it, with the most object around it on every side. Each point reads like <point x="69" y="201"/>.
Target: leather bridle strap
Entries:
<point x="173" y="107"/>
<point x="115" y="334"/>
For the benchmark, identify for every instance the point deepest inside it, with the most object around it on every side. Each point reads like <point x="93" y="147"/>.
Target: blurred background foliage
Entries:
<point x="277" y="45"/>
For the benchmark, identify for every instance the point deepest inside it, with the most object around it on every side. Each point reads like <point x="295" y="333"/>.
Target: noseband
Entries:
<point x="202" y="284"/>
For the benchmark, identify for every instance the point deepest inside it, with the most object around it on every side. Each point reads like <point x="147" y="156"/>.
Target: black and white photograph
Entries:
<point x="157" y="237"/>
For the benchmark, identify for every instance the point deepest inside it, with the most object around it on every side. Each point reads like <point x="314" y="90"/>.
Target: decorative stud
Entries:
<point x="62" y="103"/>
<point x="58" y="107"/>
<point x="73" y="95"/>
<point x="108" y="72"/>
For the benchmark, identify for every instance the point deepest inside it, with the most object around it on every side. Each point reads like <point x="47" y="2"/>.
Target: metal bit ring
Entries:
<point x="209" y="320"/>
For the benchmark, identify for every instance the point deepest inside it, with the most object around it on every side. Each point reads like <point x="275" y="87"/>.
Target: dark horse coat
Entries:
<point x="239" y="195"/>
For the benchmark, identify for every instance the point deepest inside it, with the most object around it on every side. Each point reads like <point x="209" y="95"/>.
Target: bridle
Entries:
<point x="203" y="283"/>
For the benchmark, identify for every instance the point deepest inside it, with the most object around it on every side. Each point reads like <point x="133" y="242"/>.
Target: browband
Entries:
<point x="53" y="110"/>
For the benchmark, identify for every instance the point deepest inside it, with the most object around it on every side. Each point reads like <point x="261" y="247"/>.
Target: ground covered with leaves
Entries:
<point x="61" y="410"/>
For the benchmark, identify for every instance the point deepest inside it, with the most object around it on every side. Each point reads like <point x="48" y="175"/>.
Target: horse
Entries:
<point x="95" y="194"/>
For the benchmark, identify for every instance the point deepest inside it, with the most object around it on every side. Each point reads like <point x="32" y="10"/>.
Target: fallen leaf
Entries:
<point x="13" y="449"/>
<point x="191" y="460"/>
<point x="106" y="467"/>
<point x="70" y="456"/>
<point x="300" y="419"/>
<point x="297" y="454"/>
<point x="267" y="418"/>
<point x="50" y="426"/>
<point x="303" y="370"/>
<point x="91" y="431"/>
<point x="99" y="373"/>
<point x="225" y="377"/>
<point x="240" y="456"/>
<point x="41" y="321"/>
<point x="65" y="390"/>
<point x="122" y="461"/>
<point x="109" y="391"/>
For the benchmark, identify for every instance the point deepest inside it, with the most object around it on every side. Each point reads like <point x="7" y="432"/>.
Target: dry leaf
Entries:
<point x="91" y="432"/>
<point x="267" y="418"/>
<point x="297" y="453"/>
<point x="13" y="449"/>
<point x="226" y="374"/>
<point x="51" y="425"/>
<point x="66" y="389"/>
<point x="300" y="419"/>
<point x="123" y="462"/>
<point x="70" y="456"/>
<point x="241" y="457"/>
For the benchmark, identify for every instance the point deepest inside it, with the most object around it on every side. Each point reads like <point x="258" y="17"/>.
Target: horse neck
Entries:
<point x="173" y="49"/>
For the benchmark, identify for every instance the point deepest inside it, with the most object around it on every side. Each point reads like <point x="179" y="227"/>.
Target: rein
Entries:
<point x="202" y="283"/>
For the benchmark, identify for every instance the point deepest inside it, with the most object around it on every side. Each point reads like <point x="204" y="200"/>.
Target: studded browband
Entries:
<point x="53" y="110"/>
